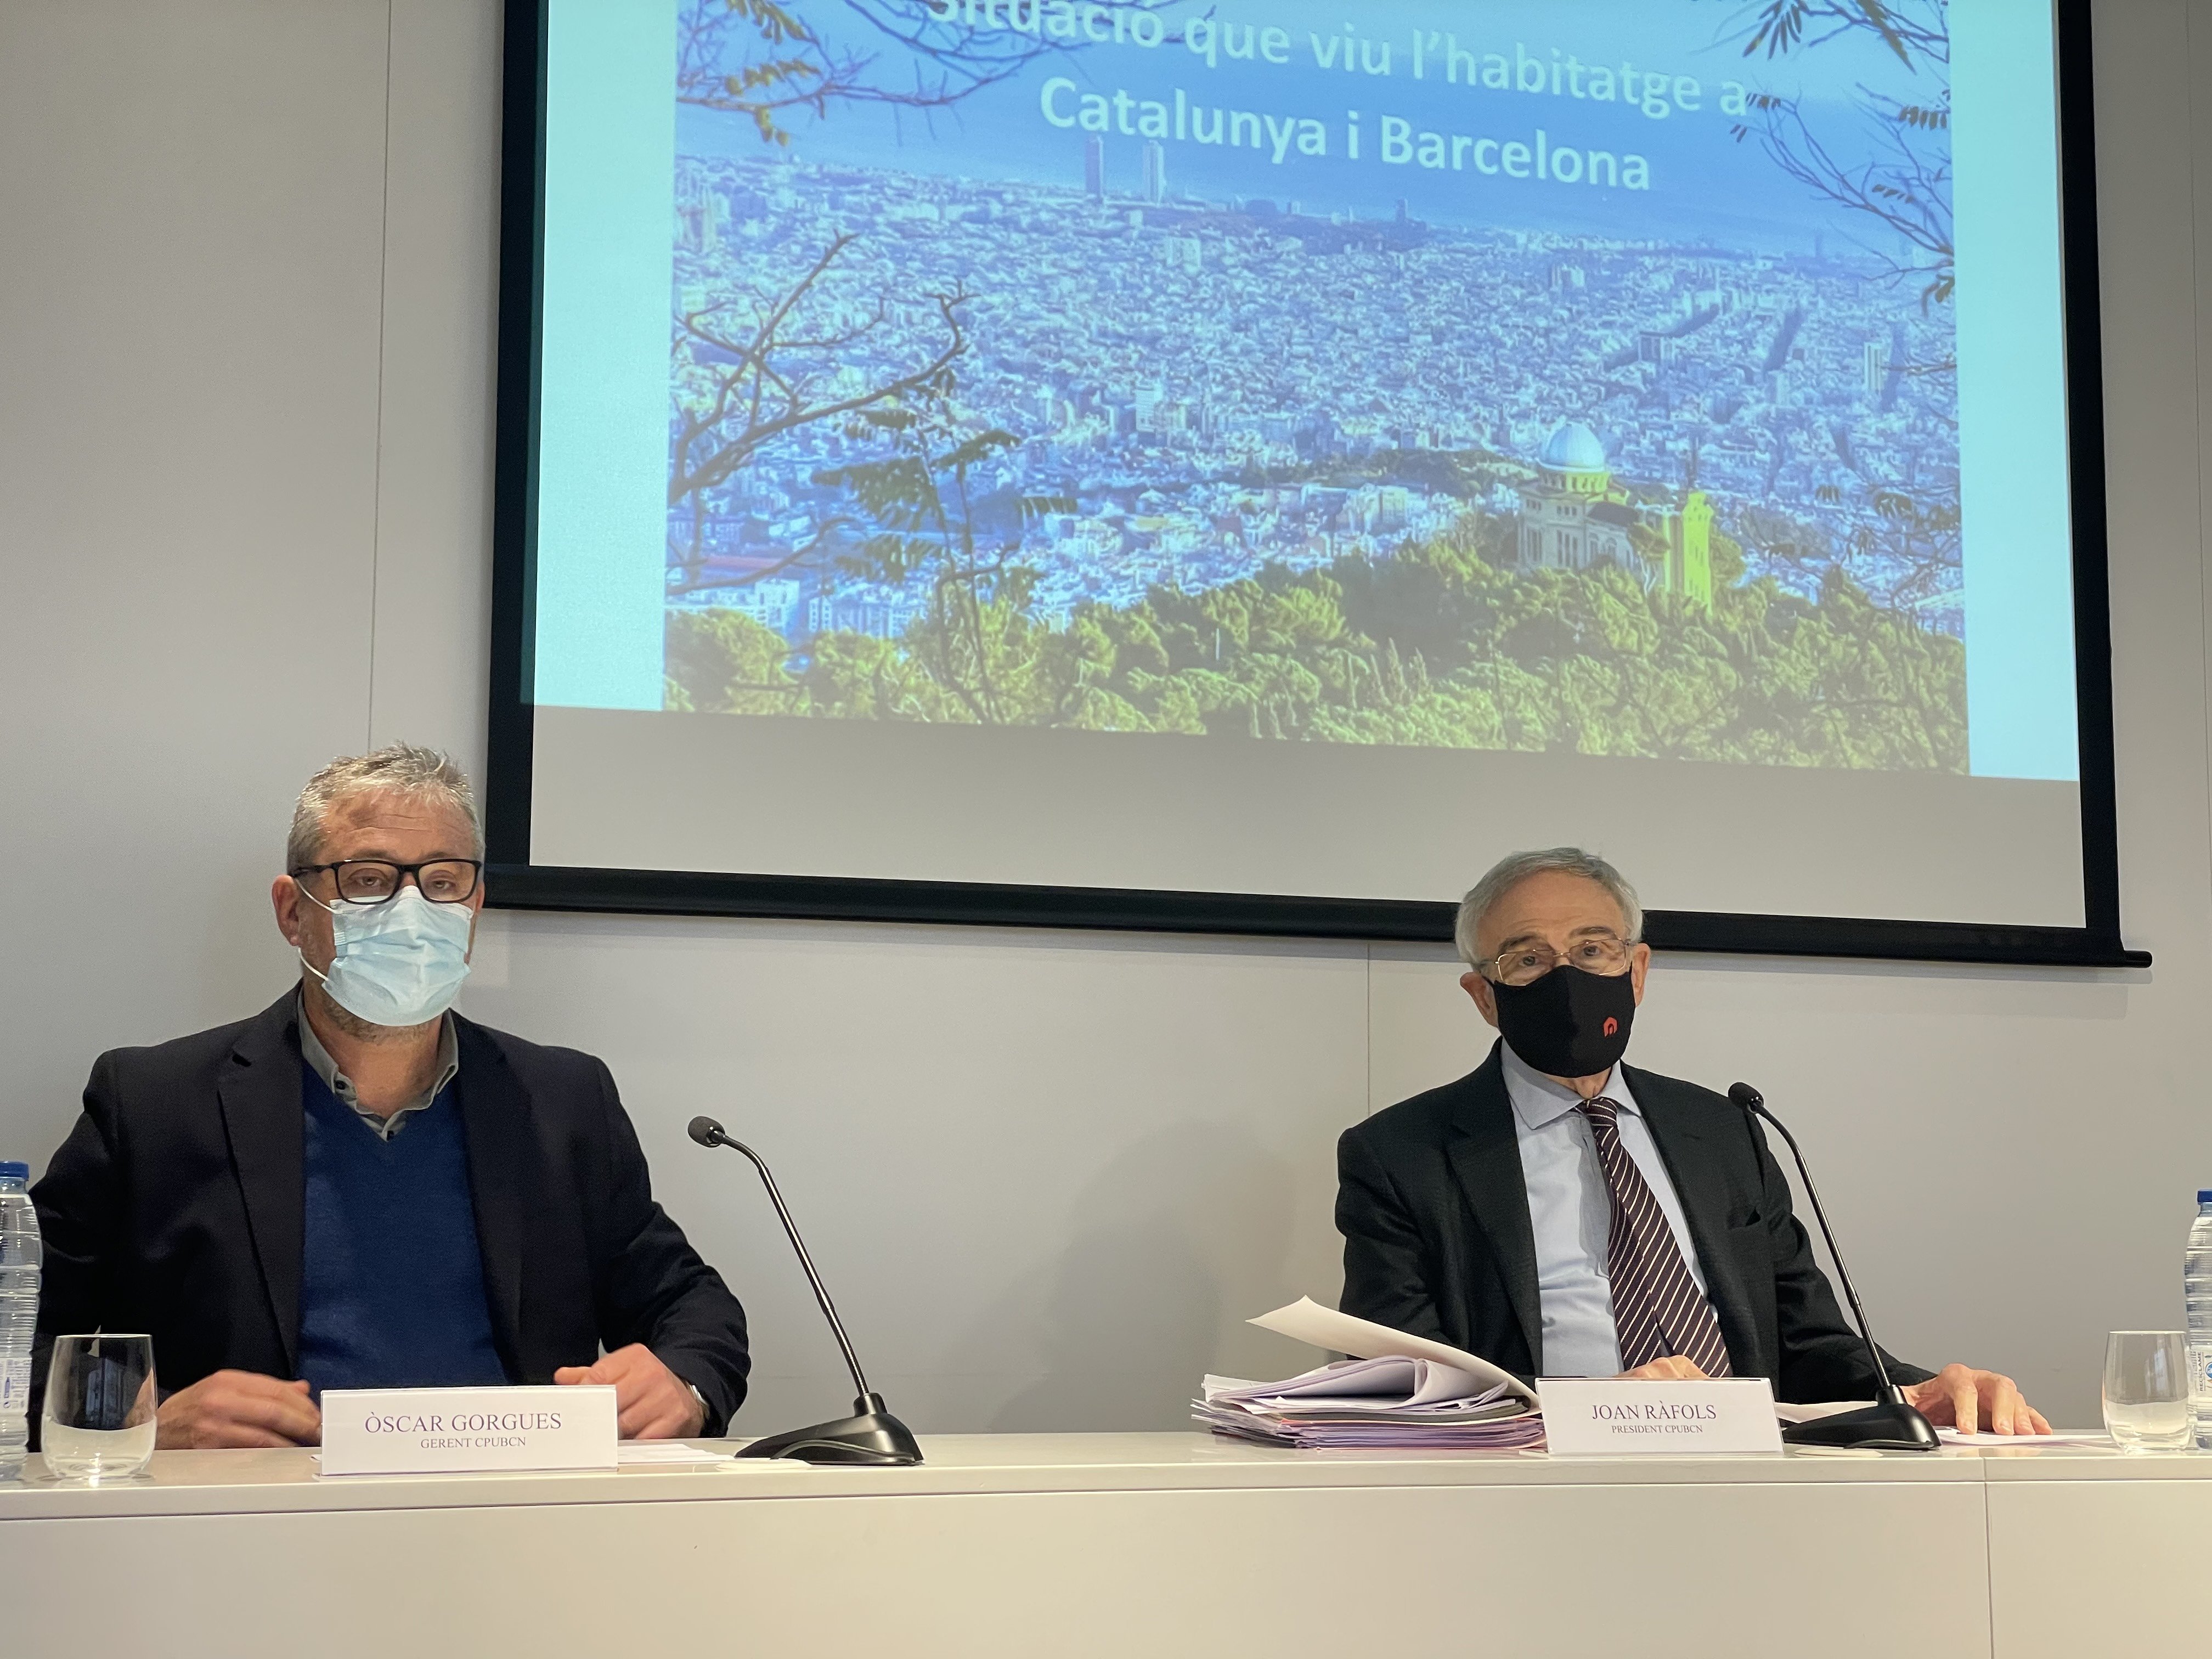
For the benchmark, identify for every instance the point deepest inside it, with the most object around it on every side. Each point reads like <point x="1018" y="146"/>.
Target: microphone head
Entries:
<point x="707" y="1133"/>
<point x="1745" y="1096"/>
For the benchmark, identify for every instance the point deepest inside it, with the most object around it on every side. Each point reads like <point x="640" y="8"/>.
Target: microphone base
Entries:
<point x="1889" y="1424"/>
<point x="871" y="1436"/>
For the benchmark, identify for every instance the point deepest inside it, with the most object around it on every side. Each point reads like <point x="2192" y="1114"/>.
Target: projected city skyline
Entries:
<point x="1071" y="442"/>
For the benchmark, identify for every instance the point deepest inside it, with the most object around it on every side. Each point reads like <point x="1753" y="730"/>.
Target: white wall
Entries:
<point x="246" y="304"/>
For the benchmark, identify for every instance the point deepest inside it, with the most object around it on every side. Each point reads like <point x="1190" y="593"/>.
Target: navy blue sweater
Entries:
<point x="391" y="1294"/>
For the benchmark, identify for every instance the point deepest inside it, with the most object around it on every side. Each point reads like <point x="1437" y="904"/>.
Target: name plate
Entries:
<point x="464" y="1431"/>
<point x="1594" y="1416"/>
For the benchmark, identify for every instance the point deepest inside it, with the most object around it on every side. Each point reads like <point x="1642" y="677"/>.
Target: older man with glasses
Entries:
<point x="1564" y="1214"/>
<point x="358" y="1187"/>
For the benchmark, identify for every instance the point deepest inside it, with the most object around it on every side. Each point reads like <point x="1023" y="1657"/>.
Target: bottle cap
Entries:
<point x="22" y="1171"/>
<point x="2202" y="1197"/>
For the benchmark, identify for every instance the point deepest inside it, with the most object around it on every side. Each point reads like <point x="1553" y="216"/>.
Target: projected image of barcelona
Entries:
<point x="1574" y="379"/>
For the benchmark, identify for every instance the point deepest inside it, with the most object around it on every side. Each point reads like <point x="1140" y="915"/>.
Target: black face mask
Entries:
<point x="1568" y="1023"/>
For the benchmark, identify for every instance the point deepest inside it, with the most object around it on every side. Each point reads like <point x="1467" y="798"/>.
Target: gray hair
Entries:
<point x="398" y="768"/>
<point x="1515" y="868"/>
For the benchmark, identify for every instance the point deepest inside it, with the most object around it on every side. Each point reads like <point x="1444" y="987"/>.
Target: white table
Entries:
<point x="1142" y="1544"/>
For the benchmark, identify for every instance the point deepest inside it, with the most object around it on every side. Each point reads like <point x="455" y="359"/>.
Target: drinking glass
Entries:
<point x="101" y="1400"/>
<point x="2146" y="1404"/>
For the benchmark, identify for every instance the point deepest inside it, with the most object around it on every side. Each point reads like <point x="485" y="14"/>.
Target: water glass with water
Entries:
<point x="2147" y="1391"/>
<point x="101" y="1401"/>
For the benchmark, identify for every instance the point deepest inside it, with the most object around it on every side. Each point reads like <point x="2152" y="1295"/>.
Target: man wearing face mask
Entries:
<point x="358" y="1187"/>
<point x="1564" y="1214"/>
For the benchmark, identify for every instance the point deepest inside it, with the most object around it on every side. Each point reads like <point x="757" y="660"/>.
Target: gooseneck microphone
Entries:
<point x="872" y="1434"/>
<point x="1892" y="1423"/>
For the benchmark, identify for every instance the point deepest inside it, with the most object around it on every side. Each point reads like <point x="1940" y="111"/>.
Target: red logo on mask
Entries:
<point x="1612" y="1025"/>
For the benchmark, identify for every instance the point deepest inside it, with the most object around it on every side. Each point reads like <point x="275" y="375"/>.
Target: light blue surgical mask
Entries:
<point x="400" y="962"/>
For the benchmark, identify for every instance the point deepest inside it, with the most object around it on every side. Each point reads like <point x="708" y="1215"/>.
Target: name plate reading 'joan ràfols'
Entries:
<point x="1609" y="1416"/>
<point x="466" y="1431"/>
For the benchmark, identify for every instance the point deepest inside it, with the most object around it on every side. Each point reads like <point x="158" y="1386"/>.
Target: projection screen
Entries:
<point x="1247" y="464"/>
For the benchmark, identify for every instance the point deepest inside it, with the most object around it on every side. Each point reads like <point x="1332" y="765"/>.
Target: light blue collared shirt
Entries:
<point x="1571" y="1212"/>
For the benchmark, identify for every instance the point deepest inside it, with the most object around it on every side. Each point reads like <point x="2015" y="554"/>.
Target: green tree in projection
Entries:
<point x="723" y="662"/>
<point x="975" y="637"/>
<point x="858" y="677"/>
<point x="1438" y="648"/>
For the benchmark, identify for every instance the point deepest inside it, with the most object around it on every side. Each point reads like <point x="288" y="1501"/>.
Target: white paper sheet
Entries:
<point x="1790" y="1411"/>
<point x="1394" y="1382"/>
<point x="1307" y="1321"/>
<point x="666" y="1451"/>
<point x="1799" y="1413"/>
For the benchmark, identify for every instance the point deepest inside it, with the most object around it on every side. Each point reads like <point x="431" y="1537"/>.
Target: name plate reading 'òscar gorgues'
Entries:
<point x="460" y="1430"/>
<point x="1589" y="1416"/>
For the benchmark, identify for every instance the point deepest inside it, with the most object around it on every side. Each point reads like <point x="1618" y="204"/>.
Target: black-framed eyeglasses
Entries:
<point x="372" y="881"/>
<point x="1603" y="954"/>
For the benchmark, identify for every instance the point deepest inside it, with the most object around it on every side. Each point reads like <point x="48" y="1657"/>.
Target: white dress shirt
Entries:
<point x="1572" y="1214"/>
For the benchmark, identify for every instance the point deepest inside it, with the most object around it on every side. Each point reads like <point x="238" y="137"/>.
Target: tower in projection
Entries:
<point x="1155" y="172"/>
<point x="1094" y="168"/>
<point x="1572" y="518"/>
<point x="703" y="222"/>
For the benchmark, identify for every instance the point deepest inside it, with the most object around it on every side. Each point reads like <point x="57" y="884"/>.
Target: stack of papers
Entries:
<point x="1399" y="1392"/>
<point x="1388" y="1403"/>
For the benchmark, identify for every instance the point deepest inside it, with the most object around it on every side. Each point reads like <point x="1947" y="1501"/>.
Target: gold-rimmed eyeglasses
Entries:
<point x="1604" y="954"/>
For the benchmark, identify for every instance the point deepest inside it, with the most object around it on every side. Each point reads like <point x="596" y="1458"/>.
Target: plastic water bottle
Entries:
<point x="2196" y="1286"/>
<point x="20" y="1258"/>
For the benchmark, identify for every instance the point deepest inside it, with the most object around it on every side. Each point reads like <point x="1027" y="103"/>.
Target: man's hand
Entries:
<point x="238" y="1408"/>
<point x="651" y="1401"/>
<point x="1674" y="1368"/>
<point x="1982" y="1402"/>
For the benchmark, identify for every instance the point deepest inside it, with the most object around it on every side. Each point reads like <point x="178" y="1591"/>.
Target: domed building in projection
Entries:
<point x="1572" y="518"/>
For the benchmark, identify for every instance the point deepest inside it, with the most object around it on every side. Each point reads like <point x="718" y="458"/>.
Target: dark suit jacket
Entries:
<point x="177" y="1206"/>
<point x="1438" y="1240"/>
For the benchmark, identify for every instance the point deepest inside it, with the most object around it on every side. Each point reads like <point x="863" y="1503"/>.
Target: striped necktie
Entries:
<point x="1657" y="1309"/>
